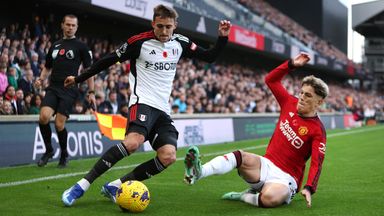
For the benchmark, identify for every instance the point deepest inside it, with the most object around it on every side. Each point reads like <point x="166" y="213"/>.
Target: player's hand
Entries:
<point x="308" y="197"/>
<point x="301" y="59"/>
<point x="224" y="28"/>
<point x="69" y="81"/>
<point x="92" y="101"/>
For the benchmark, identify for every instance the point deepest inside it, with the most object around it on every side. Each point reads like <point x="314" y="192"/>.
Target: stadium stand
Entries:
<point x="222" y="87"/>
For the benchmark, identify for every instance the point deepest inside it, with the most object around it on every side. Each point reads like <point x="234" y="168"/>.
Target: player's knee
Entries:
<point x="131" y="145"/>
<point x="44" y="119"/>
<point x="271" y="200"/>
<point x="167" y="156"/>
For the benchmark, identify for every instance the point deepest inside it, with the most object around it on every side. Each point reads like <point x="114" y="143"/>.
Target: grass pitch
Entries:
<point x="352" y="183"/>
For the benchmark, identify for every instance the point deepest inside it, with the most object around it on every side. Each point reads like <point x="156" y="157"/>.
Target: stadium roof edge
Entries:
<point x="361" y="13"/>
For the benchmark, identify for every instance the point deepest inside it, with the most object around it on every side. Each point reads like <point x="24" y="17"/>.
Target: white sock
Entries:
<point x="84" y="184"/>
<point x="219" y="165"/>
<point x="116" y="183"/>
<point x="250" y="198"/>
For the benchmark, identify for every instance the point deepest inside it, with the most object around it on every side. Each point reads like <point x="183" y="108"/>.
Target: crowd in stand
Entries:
<point x="307" y="37"/>
<point x="198" y="87"/>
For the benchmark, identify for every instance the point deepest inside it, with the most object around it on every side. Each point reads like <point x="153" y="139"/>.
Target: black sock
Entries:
<point x="107" y="160"/>
<point x="145" y="170"/>
<point x="46" y="132"/>
<point x="63" y="135"/>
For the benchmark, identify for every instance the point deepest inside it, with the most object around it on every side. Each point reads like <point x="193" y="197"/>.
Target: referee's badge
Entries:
<point x="143" y="117"/>
<point x="70" y="54"/>
<point x="54" y="53"/>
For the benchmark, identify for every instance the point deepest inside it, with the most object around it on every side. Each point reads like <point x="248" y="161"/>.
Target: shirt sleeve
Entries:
<point x="190" y="49"/>
<point x="317" y="158"/>
<point x="86" y="56"/>
<point x="124" y="52"/>
<point x="273" y="81"/>
<point x="48" y="59"/>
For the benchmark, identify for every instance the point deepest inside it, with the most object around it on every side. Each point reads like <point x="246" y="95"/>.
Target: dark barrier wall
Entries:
<point x="22" y="143"/>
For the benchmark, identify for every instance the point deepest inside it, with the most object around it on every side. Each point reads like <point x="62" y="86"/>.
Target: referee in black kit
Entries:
<point x="63" y="59"/>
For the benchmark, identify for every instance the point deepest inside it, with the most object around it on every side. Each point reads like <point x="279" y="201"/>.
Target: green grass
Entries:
<point x="352" y="183"/>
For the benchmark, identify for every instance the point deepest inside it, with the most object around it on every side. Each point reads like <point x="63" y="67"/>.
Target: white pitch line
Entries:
<point x="60" y="176"/>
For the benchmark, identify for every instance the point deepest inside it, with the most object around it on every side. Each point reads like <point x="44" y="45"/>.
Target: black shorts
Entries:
<point x="60" y="99"/>
<point x="155" y="125"/>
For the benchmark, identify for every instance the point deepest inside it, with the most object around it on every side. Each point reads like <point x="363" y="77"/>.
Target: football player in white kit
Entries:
<point x="153" y="57"/>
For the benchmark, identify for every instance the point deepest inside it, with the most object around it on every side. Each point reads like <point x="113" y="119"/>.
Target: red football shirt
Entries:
<point x="295" y="138"/>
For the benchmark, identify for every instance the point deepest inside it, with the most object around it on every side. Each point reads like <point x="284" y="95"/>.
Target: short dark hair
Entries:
<point x="70" y="16"/>
<point x="164" y="12"/>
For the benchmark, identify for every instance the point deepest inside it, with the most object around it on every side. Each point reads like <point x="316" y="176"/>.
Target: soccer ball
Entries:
<point x="133" y="196"/>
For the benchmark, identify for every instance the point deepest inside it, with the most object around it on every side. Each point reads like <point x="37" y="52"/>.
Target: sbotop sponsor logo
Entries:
<point x="163" y="66"/>
<point x="290" y="134"/>
<point x="80" y="143"/>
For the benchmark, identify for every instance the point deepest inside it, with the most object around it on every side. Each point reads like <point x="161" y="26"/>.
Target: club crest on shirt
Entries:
<point x="143" y="117"/>
<point x="70" y="54"/>
<point x="303" y="130"/>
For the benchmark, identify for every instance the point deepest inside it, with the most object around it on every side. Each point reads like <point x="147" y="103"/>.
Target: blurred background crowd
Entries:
<point x="198" y="87"/>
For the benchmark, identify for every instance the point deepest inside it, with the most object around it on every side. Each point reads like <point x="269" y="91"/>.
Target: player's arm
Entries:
<point x="273" y="79"/>
<point x="100" y="65"/>
<point x="317" y="158"/>
<point x="46" y="70"/>
<point x="43" y="76"/>
<point x="87" y="62"/>
<point x="120" y="55"/>
<point x="192" y="50"/>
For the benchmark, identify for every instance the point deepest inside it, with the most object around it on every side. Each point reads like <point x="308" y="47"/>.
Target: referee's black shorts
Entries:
<point x="155" y="125"/>
<point x="60" y="99"/>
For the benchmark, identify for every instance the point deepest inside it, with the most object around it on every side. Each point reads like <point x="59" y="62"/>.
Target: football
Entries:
<point x="133" y="196"/>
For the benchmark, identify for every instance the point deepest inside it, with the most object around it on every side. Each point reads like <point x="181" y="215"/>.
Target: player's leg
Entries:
<point x="48" y="105"/>
<point x="62" y="135"/>
<point x="114" y="154"/>
<point x="163" y="139"/>
<point x="217" y="166"/>
<point x="251" y="171"/>
<point x="274" y="194"/>
<point x="136" y="135"/>
<point x="64" y="108"/>
<point x="270" y="186"/>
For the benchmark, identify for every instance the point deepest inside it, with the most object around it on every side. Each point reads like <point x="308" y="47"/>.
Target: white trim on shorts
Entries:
<point x="269" y="172"/>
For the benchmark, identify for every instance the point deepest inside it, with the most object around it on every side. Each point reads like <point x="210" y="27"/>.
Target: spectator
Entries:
<point x="6" y="108"/>
<point x="12" y="77"/>
<point x="124" y="110"/>
<point x="10" y="95"/>
<point x="3" y="78"/>
<point x="102" y="105"/>
<point x="26" y="83"/>
<point x="35" y="104"/>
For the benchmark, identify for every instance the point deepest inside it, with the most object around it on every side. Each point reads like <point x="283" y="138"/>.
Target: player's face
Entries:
<point x="163" y="28"/>
<point x="308" y="102"/>
<point x="69" y="27"/>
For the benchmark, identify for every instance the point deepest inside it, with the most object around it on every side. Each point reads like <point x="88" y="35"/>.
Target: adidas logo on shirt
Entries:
<point x="152" y="52"/>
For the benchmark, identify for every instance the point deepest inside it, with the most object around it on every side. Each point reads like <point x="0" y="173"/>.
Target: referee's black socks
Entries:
<point x="46" y="132"/>
<point x="107" y="160"/>
<point x="63" y="136"/>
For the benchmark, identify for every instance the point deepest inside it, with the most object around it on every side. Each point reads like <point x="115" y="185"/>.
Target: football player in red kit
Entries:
<point x="299" y="135"/>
